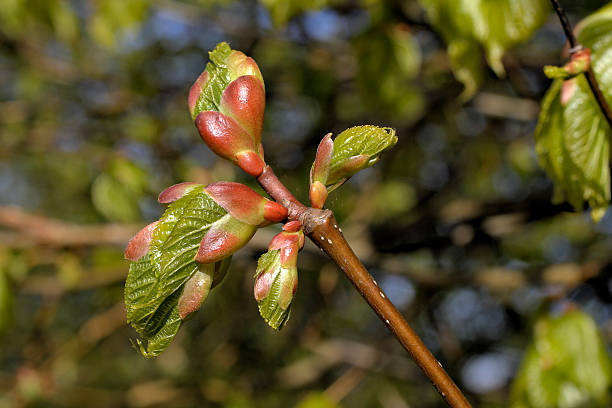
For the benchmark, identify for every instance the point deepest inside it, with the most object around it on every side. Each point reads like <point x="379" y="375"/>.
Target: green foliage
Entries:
<point x="572" y="136"/>
<point x="567" y="365"/>
<point x="218" y="79"/>
<point x="355" y="149"/>
<point x="317" y="400"/>
<point x="155" y="282"/>
<point x="282" y="10"/>
<point x="6" y="300"/>
<point x="115" y="193"/>
<point x="496" y="26"/>
<point x="270" y="309"/>
<point x="112" y="18"/>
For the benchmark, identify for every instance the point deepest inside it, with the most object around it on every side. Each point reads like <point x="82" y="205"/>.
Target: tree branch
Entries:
<point x="322" y="229"/>
<point x="590" y="75"/>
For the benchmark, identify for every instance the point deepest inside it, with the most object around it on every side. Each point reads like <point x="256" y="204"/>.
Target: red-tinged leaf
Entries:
<point x="223" y="239"/>
<point x="223" y="135"/>
<point x="318" y="194"/>
<point x="262" y="286"/>
<point x="250" y="162"/>
<point x="567" y="91"/>
<point x="274" y="212"/>
<point x="240" y="65"/>
<point x="289" y="244"/>
<point x="196" y="90"/>
<point x="140" y="243"/>
<point x="292" y="226"/>
<point x="195" y="291"/>
<point x="320" y="167"/>
<point x="244" y="204"/>
<point x="176" y="191"/>
<point x="244" y="100"/>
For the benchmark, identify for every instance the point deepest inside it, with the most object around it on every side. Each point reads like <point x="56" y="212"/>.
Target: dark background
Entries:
<point x="455" y="222"/>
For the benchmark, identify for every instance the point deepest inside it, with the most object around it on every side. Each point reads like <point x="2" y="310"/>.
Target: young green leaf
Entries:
<point x="355" y="149"/>
<point x="567" y="365"/>
<point x="217" y="79"/>
<point x="276" y="276"/>
<point x="169" y="276"/>
<point x="170" y="262"/>
<point x="572" y="136"/>
<point x="175" y="242"/>
<point x="467" y="25"/>
<point x="269" y="284"/>
<point x="167" y="323"/>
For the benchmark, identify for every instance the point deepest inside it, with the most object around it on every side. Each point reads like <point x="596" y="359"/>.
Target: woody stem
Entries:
<point x="323" y="230"/>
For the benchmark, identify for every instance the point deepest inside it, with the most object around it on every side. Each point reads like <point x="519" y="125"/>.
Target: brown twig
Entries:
<point x="590" y="75"/>
<point x="322" y="229"/>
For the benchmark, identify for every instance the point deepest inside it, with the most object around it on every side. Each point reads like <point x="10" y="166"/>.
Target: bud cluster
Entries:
<point x="246" y="211"/>
<point x="227" y="102"/>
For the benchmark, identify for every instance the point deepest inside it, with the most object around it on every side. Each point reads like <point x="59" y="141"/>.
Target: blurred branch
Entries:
<point x="29" y="229"/>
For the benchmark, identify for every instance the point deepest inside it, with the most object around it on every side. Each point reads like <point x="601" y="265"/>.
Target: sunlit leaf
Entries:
<point x="355" y="149"/>
<point x="218" y="79"/>
<point x="155" y="282"/>
<point x="175" y="242"/>
<point x="270" y="307"/>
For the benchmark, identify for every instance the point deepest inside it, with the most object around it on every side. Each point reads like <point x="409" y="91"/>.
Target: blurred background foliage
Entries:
<point x="455" y="222"/>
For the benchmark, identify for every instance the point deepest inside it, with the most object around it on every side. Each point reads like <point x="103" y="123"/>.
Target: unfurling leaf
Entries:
<point x="179" y="258"/>
<point x="354" y="149"/>
<point x="566" y="365"/>
<point x="276" y="276"/>
<point x="467" y="25"/>
<point x="227" y="103"/>
<point x="572" y="135"/>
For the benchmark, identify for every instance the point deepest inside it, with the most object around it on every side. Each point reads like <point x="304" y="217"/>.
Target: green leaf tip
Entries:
<point x="206" y="92"/>
<point x="355" y="149"/>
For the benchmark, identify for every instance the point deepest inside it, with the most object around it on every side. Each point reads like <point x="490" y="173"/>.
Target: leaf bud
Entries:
<point x="579" y="63"/>
<point x="223" y="238"/>
<point x="227" y="102"/>
<point x="246" y="205"/>
<point x="140" y="243"/>
<point x="276" y="277"/>
<point x="318" y="194"/>
<point x="228" y="139"/>
<point x="320" y="167"/>
<point x="195" y="291"/>
<point x="351" y="151"/>
<point x="176" y="191"/>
